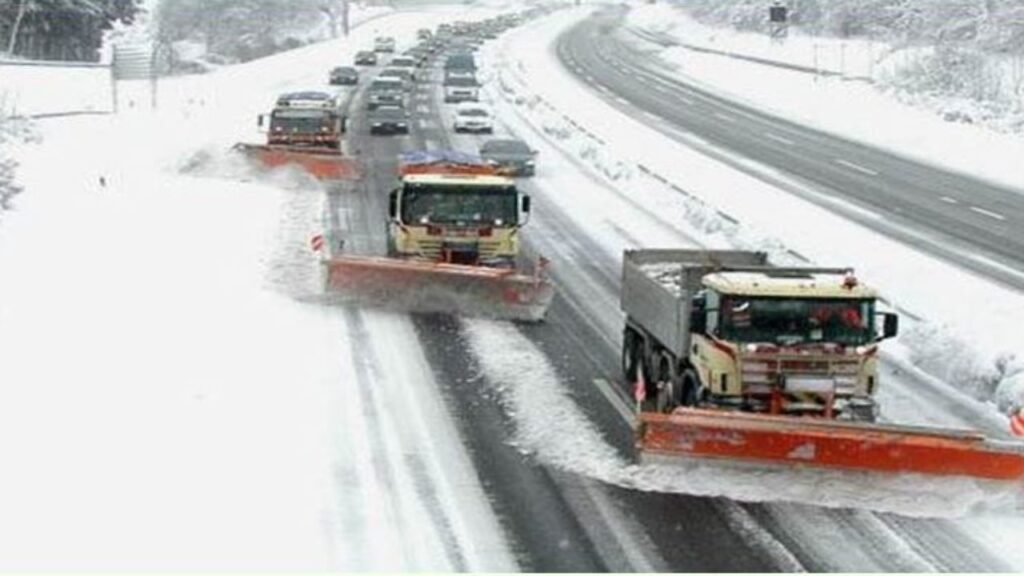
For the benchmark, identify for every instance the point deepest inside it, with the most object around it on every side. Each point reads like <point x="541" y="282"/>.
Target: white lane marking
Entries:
<point x="989" y="213"/>
<point x="652" y="116"/>
<point x="423" y="109"/>
<point x="683" y="99"/>
<point x="618" y="403"/>
<point x="949" y="200"/>
<point x="856" y="167"/>
<point x="431" y="144"/>
<point x="422" y="123"/>
<point x="779" y="139"/>
<point x="622" y="100"/>
<point x="604" y="89"/>
<point x="725" y="117"/>
<point x="996" y="265"/>
<point x="589" y="78"/>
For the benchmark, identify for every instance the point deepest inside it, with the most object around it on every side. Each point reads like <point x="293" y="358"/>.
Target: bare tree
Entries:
<point x="15" y="28"/>
<point x="337" y="14"/>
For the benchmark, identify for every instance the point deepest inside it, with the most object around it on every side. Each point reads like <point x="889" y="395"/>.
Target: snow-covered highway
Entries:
<point x="176" y="395"/>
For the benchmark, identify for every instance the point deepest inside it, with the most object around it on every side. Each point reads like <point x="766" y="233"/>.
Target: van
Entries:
<point x="461" y="89"/>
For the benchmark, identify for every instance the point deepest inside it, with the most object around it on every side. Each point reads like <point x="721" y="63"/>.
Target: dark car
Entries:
<point x="404" y="75"/>
<point x="345" y="75"/>
<point x="386" y="91"/>
<point x="514" y="155"/>
<point x="388" y="120"/>
<point x="366" y="58"/>
<point x="460" y="61"/>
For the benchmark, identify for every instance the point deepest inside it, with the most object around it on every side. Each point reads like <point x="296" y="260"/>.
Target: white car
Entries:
<point x="473" y="117"/>
<point x="384" y="44"/>
<point x="461" y="89"/>
<point x="406" y="63"/>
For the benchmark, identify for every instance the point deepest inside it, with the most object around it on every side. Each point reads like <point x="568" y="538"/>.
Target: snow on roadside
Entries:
<point x="551" y="426"/>
<point x="151" y="395"/>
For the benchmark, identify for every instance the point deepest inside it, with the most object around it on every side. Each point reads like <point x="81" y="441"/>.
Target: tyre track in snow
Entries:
<point x="556" y="529"/>
<point x="354" y="209"/>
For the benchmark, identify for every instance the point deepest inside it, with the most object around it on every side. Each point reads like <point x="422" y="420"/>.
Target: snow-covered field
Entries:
<point x="168" y="404"/>
<point x="81" y="89"/>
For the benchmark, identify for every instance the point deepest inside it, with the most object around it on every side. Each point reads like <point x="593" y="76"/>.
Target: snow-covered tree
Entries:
<point x="12" y="130"/>
<point x="60" y="29"/>
<point x="240" y="30"/>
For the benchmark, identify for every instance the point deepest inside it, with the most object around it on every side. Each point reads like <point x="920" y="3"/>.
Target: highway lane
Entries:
<point x="973" y="223"/>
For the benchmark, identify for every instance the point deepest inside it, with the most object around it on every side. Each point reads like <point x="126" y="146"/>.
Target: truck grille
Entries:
<point x="805" y="384"/>
<point x="431" y="249"/>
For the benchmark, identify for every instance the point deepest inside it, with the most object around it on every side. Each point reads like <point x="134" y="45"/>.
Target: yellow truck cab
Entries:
<point x="469" y="219"/>
<point x="726" y="329"/>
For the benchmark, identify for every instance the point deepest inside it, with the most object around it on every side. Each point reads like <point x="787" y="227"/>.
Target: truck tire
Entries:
<point x="631" y="350"/>
<point x="667" y="386"/>
<point x="690" y="392"/>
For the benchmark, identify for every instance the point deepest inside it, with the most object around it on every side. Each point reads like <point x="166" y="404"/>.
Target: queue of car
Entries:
<point x="388" y="92"/>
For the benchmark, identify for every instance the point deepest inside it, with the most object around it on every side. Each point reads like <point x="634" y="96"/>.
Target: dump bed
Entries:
<point x="658" y="285"/>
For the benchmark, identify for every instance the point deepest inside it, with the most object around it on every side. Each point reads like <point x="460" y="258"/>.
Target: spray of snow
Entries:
<point x="551" y="426"/>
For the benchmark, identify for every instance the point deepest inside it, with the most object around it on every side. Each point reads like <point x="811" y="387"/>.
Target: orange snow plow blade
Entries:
<point x="792" y="441"/>
<point x="324" y="164"/>
<point x="417" y="286"/>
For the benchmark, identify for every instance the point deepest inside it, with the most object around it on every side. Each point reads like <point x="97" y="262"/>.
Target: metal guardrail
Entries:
<point x="53" y="63"/>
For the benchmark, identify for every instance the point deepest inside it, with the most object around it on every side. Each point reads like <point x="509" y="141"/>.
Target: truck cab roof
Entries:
<point x="458" y="179"/>
<point x="788" y="285"/>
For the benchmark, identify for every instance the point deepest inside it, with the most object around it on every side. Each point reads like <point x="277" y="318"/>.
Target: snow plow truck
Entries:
<point x="731" y="358"/>
<point x="453" y="235"/>
<point x="306" y="129"/>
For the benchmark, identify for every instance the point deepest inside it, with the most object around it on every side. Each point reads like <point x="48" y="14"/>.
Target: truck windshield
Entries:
<point x="790" y="321"/>
<point x="301" y="121"/>
<point x="460" y="205"/>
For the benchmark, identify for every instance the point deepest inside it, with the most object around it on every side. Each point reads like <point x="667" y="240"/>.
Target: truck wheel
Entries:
<point x="630" y="355"/>
<point x="667" y="387"/>
<point x="691" y="386"/>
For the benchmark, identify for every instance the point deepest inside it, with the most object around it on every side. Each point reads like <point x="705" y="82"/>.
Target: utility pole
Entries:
<point x="16" y="28"/>
<point x="778" y="20"/>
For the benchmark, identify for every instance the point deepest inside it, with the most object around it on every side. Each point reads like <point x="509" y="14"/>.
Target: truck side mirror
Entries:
<point x="261" y="120"/>
<point x="698" y="320"/>
<point x="526" y="204"/>
<point x="393" y="205"/>
<point x="890" y="325"/>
